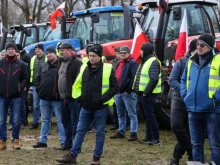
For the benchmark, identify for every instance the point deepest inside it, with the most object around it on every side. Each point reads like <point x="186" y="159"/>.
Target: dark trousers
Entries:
<point x="147" y="105"/>
<point x="180" y="125"/>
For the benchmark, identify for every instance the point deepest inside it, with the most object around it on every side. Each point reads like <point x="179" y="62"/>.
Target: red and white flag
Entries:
<point x="57" y="13"/>
<point x="138" y="40"/>
<point x="182" y="45"/>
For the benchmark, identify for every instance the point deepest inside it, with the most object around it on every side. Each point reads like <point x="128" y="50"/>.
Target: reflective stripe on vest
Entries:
<point x="32" y="67"/>
<point x="214" y="77"/>
<point x="77" y="86"/>
<point x="57" y="51"/>
<point x="144" y="77"/>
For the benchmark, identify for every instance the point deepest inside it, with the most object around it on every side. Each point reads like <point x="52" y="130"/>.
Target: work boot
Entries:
<point x="16" y="145"/>
<point x="95" y="161"/>
<point x="145" y="141"/>
<point x="133" y="136"/>
<point x="174" y="161"/>
<point x="117" y="136"/>
<point x="40" y="145"/>
<point x="155" y="142"/>
<point x="34" y="126"/>
<point x="68" y="158"/>
<point x="2" y="145"/>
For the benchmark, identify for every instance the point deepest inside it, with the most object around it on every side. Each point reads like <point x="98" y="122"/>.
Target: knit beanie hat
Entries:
<point x="125" y="49"/>
<point x="97" y="49"/>
<point x="207" y="39"/>
<point x="40" y="46"/>
<point x="10" y="45"/>
<point x="65" y="45"/>
<point x="50" y="49"/>
<point x="192" y="45"/>
<point x="88" y="47"/>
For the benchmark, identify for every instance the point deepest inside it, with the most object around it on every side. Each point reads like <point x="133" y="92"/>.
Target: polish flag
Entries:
<point x="182" y="45"/>
<point x="138" y="40"/>
<point x="1" y="27"/>
<point x="56" y="14"/>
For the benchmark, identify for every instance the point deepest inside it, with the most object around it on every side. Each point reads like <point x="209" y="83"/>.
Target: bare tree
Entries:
<point x="88" y="3"/>
<point x="4" y="12"/>
<point x="36" y="8"/>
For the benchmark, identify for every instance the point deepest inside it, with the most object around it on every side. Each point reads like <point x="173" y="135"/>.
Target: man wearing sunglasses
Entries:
<point x="200" y="90"/>
<point x="126" y="98"/>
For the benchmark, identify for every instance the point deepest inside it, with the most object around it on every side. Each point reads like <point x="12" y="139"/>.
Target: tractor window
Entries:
<point x="82" y="28"/>
<point x="50" y="34"/>
<point x="109" y="28"/>
<point x="196" y="19"/>
<point x="150" y="22"/>
<point x="17" y="37"/>
<point x="41" y="32"/>
<point x="30" y="39"/>
<point x="213" y="17"/>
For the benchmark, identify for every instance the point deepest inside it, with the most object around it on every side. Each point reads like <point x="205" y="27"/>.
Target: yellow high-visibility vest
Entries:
<point x="86" y="59"/>
<point x="214" y="77"/>
<point x="77" y="86"/>
<point x="32" y="66"/>
<point x="57" y="51"/>
<point x="144" y="77"/>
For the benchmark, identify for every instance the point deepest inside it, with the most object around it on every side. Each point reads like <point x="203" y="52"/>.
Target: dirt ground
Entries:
<point x="116" y="152"/>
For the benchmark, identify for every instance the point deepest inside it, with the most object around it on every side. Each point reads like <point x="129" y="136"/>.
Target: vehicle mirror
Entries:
<point x="95" y="17"/>
<point x="28" y="32"/>
<point x="177" y="13"/>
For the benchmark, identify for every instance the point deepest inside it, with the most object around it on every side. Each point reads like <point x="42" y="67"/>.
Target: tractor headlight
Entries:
<point x="173" y="62"/>
<point x="167" y="62"/>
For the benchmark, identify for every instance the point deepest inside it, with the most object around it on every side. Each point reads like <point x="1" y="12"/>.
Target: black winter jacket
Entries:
<point x="127" y="76"/>
<point x="46" y="81"/>
<point x="92" y="98"/>
<point x="14" y="76"/>
<point x="72" y="72"/>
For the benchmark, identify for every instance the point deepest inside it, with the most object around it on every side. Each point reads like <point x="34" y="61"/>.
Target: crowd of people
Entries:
<point x="79" y="92"/>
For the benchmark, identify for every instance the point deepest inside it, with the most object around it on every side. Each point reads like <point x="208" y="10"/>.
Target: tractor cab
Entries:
<point x="27" y="34"/>
<point x="104" y="25"/>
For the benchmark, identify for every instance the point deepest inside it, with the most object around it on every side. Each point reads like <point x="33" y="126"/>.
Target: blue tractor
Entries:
<point x="97" y="25"/>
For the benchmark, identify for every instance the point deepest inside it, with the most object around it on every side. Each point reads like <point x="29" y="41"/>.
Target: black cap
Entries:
<point x="192" y="45"/>
<point x="65" y="45"/>
<point x="50" y="49"/>
<point x="97" y="49"/>
<point x="125" y="49"/>
<point x="117" y="49"/>
<point x="40" y="46"/>
<point x="10" y="45"/>
<point x="207" y="39"/>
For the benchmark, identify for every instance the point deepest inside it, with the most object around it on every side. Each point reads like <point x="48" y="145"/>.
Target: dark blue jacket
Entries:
<point x="127" y="76"/>
<point x="196" y="96"/>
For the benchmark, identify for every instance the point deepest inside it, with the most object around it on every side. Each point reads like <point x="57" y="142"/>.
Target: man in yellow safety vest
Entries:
<point x="96" y="85"/>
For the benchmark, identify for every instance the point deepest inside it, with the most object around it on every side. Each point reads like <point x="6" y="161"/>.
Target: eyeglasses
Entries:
<point x="200" y="44"/>
<point x="123" y="52"/>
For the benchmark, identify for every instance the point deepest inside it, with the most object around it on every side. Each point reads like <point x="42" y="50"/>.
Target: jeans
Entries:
<point x="70" y="117"/>
<point x="24" y="107"/>
<point x="15" y="106"/>
<point x="47" y="108"/>
<point x="180" y="125"/>
<point x="199" y="122"/>
<point x="36" y="105"/>
<point x="147" y="104"/>
<point x="123" y="102"/>
<point x="85" y="118"/>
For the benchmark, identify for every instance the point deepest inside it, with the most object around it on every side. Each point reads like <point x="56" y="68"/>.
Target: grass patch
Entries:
<point x="116" y="152"/>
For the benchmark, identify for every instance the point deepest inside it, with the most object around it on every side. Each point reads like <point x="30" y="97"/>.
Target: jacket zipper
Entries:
<point x="8" y="79"/>
<point x="197" y="82"/>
